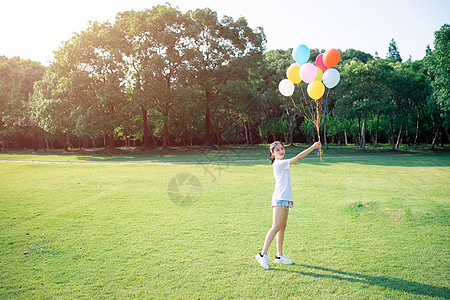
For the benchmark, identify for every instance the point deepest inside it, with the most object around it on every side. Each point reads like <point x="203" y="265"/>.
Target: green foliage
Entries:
<point x="352" y="54"/>
<point x="17" y="77"/>
<point x="157" y="60"/>
<point x="438" y="62"/>
<point x="173" y="78"/>
<point x="393" y="53"/>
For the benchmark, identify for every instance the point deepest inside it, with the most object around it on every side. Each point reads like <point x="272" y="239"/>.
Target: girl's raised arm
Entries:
<point x="304" y="153"/>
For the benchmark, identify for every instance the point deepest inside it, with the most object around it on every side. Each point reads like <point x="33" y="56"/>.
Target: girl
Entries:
<point x="281" y="201"/>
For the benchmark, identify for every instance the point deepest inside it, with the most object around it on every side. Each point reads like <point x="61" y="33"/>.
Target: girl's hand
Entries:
<point x="317" y="145"/>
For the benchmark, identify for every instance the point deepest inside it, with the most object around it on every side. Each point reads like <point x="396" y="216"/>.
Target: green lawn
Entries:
<point x="362" y="227"/>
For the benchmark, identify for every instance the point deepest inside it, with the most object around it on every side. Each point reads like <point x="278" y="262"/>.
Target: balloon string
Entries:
<point x="312" y="108"/>
<point x="311" y="115"/>
<point x="311" y="103"/>
<point x="301" y="111"/>
<point x="326" y="100"/>
<point x="318" y="129"/>
<point x="316" y="118"/>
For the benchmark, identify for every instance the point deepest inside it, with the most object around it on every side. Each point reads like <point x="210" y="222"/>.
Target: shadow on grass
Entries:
<point x="391" y="283"/>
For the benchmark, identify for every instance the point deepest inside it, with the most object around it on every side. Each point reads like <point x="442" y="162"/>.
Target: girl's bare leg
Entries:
<point x="279" y="217"/>
<point x="280" y="234"/>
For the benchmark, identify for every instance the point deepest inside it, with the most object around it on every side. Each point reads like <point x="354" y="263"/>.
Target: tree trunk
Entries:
<point x="291" y="133"/>
<point x="325" y="132"/>
<point x="66" y="141"/>
<point x="166" y="116"/>
<point x="407" y="131"/>
<point x="153" y="137"/>
<point x="146" y="135"/>
<point x="291" y="129"/>
<point x="436" y="135"/>
<point x="359" y="131"/>
<point x="165" y="133"/>
<point x="35" y="142"/>
<point x="207" y="120"/>
<point x="43" y="140"/>
<point x="3" y="143"/>
<point x="345" y="137"/>
<point x="417" y="127"/>
<point x="47" y="144"/>
<point x="363" y="135"/>
<point x="399" y="135"/>
<point x="110" y="141"/>
<point x="246" y="133"/>
<point x="376" y="131"/>
<point x="250" y="132"/>
<point x="391" y="126"/>
<point x="184" y="135"/>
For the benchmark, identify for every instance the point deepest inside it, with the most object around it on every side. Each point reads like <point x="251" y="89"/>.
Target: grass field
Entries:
<point x="363" y="226"/>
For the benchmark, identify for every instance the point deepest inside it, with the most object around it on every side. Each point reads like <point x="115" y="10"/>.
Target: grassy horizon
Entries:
<point x="203" y="154"/>
<point x="373" y="227"/>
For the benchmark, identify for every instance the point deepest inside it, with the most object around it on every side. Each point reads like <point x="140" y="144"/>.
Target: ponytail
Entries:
<point x="271" y="158"/>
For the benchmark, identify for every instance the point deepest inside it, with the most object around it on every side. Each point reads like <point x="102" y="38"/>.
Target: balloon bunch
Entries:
<point x="317" y="77"/>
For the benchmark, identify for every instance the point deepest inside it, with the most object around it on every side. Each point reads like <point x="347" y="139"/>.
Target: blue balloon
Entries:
<point x="301" y="54"/>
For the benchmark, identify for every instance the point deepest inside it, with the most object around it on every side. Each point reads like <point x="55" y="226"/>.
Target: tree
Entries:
<point x="273" y="105"/>
<point x="393" y="53"/>
<point x="98" y="80"/>
<point x="52" y="106"/>
<point x="415" y="89"/>
<point x="83" y="89"/>
<point x="214" y="46"/>
<point x="440" y="68"/>
<point x="156" y="54"/>
<point x="17" y="77"/>
<point x="364" y="92"/>
<point x="351" y="54"/>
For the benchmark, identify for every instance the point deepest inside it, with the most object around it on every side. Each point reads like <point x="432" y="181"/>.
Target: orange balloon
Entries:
<point x="331" y="57"/>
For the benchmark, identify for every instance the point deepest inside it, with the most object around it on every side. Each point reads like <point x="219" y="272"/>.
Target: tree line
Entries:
<point x="160" y="78"/>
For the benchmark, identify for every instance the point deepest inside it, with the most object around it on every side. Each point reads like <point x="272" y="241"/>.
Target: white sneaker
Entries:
<point x="263" y="260"/>
<point x="283" y="260"/>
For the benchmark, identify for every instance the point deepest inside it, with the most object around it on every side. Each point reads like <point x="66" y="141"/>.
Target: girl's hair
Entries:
<point x="271" y="148"/>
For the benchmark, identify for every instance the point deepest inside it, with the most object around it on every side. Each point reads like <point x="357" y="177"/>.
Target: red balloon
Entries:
<point x="331" y="57"/>
<point x="319" y="62"/>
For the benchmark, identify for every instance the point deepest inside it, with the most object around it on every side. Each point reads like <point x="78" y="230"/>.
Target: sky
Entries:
<point x="33" y="29"/>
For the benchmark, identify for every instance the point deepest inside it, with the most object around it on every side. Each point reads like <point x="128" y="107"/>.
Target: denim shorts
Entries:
<point x="285" y="203"/>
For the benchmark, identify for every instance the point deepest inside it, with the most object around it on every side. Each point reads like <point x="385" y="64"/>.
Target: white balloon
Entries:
<point x="286" y="87"/>
<point x="331" y="78"/>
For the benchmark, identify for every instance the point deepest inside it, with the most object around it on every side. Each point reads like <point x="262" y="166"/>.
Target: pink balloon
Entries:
<point x="319" y="62"/>
<point x="308" y="72"/>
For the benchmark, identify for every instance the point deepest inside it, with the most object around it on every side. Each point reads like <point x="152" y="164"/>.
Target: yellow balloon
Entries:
<point x="319" y="74"/>
<point x="293" y="73"/>
<point x="315" y="89"/>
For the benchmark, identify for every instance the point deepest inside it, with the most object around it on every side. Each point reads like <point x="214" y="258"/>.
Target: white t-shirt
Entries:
<point x="282" y="176"/>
